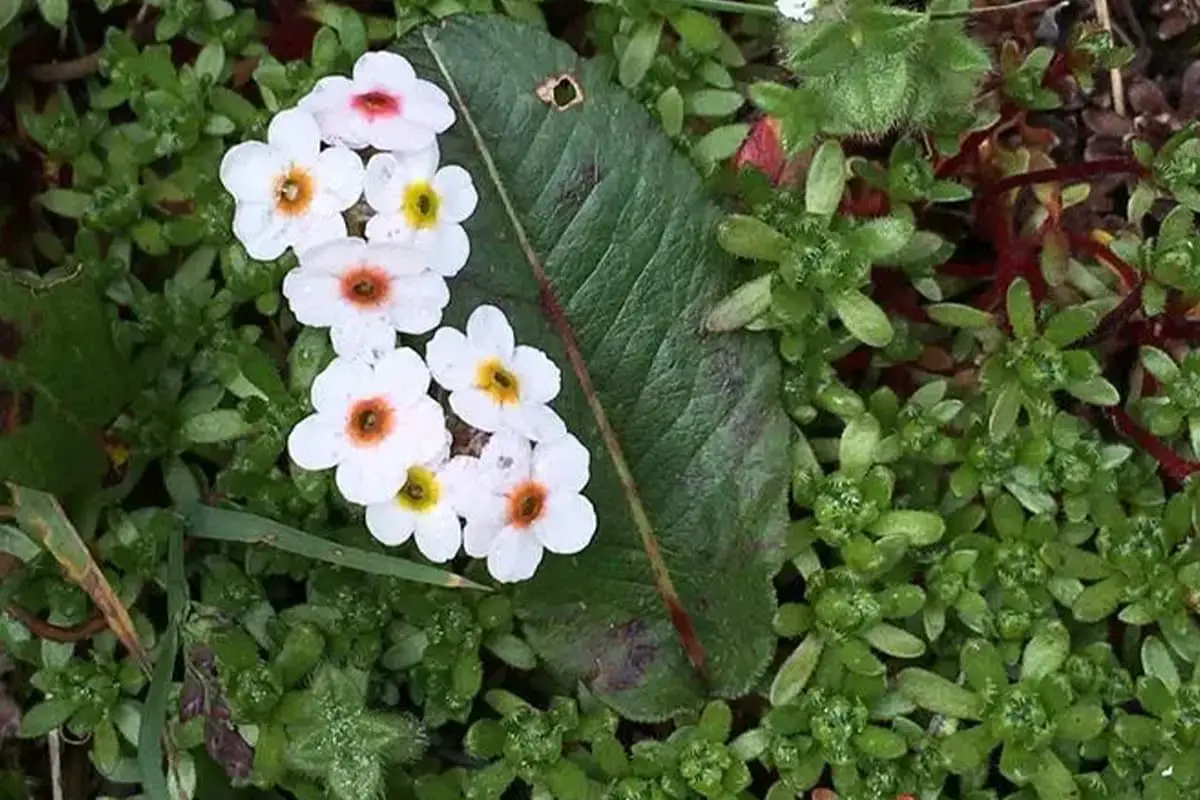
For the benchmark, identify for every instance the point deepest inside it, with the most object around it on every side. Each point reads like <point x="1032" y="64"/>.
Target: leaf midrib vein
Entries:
<point x="561" y="326"/>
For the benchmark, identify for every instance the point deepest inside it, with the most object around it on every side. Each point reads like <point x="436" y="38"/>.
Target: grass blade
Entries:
<point x="40" y="515"/>
<point x="153" y="732"/>
<point x="227" y="525"/>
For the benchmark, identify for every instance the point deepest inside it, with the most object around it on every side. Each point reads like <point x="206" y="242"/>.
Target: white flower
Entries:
<point x="495" y="385"/>
<point x="427" y="505"/>
<point x="289" y="192"/>
<point x="797" y="10"/>
<point x="364" y="293"/>
<point x="422" y="205"/>
<point x="525" y="500"/>
<point x="372" y="422"/>
<point x="384" y="105"/>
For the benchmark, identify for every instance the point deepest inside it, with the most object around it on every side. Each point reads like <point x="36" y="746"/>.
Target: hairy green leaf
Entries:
<point x="935" y="693"/>
<point x="673" y="599"/>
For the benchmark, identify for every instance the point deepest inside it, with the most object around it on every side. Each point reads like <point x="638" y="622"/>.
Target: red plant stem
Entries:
<point x="1069" y="172"/>
<point x="1116" y="319"/>
<point x="1162" y="329"/>
<point x="1175" y="468"/>
<point x="958" y="269"/>
<point x="1096" y="250"/>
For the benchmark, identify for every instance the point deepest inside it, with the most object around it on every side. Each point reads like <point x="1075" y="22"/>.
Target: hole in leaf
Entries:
<point x="16" y="410"/>
<point x="560" y="91"/>
<point x="10" y="339"/>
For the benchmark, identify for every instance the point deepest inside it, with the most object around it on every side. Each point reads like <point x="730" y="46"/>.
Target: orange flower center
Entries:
<point x="526" y="503"/>
<point x="294" y="192"/>
<point x="375" y="104"/>
<point x="370" y="421"/>
<point x="366" y="286"/>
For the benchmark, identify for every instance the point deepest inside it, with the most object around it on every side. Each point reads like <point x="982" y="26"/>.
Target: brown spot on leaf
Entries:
<point x="10" y="339"/>
<point x="16" y="410"/>
<point x="560" y="92"/>
<point x="622" y="657"/>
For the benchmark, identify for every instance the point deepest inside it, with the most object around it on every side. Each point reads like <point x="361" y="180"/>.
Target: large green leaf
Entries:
<point x="61" y="381"/>
<point x="595" y="237"/>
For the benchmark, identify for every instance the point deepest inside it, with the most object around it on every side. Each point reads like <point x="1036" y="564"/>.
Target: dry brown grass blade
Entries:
<point x="40" y="516"/>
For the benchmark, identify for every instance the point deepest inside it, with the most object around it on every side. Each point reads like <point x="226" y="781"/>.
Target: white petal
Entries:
<point x="479" y="535"/>
<point x="439" y="534"/>
<point x="264" y="234"/>
<point x="402" y="375"/>
<point x="389" y="228"/>
<point x="377" y="183"/>
<point x="448" y="246"/>
<point x="562" y="464"/>
<point x="401" y="134"/>
<point x="380" y="69"/>
<point x="390" y="523"/>
<point x="295" y="133"/>
<point x="489" y="332"/>
<point x="369" y="476"/>
<point x="317" y="442"/>
<point x="567" y="524"/>
<point x="331" y="92"/>
<point x="540" y="379"/>
<point x="333" y="256"/>
<point x="420" y="436"/>
<point x="249" y="171"/>
<point x="424" y="162"/>
<point x="514" y="556"/>
<point x="451" y="359"/>
<point x="314" y="298"/>
<point x="476" y="409"/>
<point x="310" y="232"/>
<point x="429" y="106"/>
<point x="534" y="421"/>
<point x="460" y="484"/>
<point x="414" y="318"/>
<point x="339" y="384"/>
<point x="504" y="461"/>
<point x="338" y="174"/>
<point x="397" y="259"/>
<point x="456" y="194"/>
<point x="363" y="337"/>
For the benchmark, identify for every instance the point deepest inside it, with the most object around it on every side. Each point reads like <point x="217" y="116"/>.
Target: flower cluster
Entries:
<point x="375" y="421"/>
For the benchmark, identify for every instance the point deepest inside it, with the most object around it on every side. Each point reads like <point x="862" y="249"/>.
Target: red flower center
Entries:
<point x="526" y="502"/>
<point x="375" y="104"/>
<point x="366" y="286"/>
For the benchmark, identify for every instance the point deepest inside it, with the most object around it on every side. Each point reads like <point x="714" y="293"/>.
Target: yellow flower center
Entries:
<point x="420" y="491"/>
<point x="420" y="205"/>
<point x="492" y="377"/>
<point x="294" y="192"/>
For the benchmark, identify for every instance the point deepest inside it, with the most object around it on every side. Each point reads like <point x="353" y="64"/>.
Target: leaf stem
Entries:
<point x="1176" y="468"/>
<point x="1068" y="172"/>
<point x="733" y="7"/>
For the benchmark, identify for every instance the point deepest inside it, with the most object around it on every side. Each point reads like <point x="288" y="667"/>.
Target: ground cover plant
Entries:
<point x="631" y="399"/>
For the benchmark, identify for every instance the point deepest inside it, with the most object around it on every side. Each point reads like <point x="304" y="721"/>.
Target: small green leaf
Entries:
<point x="700" y="31"/>
<point x="670" y="110"/>
<point x="740" y="307"/>
<point x="46" y="716"/>
<point x="1159" y="364"/>
<point x="1081" y="723"/>
<point x="949" y="192"/>
<point x="65" y="202"/>
<point x="1097" y="391"/>
<point x="865" y="320"/>
<point x="714" y="102"/>
<point x="983" y="666"/>
<point x="720" y="143"/>
<point x="856" y="449"/>
<point x="964" y="750"/>
<point x="795" y="672"/>
<point x="826" y="179"/>
<point x="1021" y="314"/>
<point x="1046" y="652"/>
<point x="921" y="528"/>
<point x="513" y="651"/>
<point x="1054" y="781"/>
<point x="1005" y="411"/>
<point x="881" y="239"/>
<point x="957" y="315"/>
<point x="211" y="61"/>
<point x="55" y="12"/>
<point x="1158" y="663"/>
<point x="881" y="743"/>
<point x="750" y="237"/>
<point x="640" y="52"/>
<point x="934" y="693"/>
<point x="893" y="641"/>
<point x="1069" y="325"/>
<point x="220" y="425"/>
<point x="1098" y="600"/>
